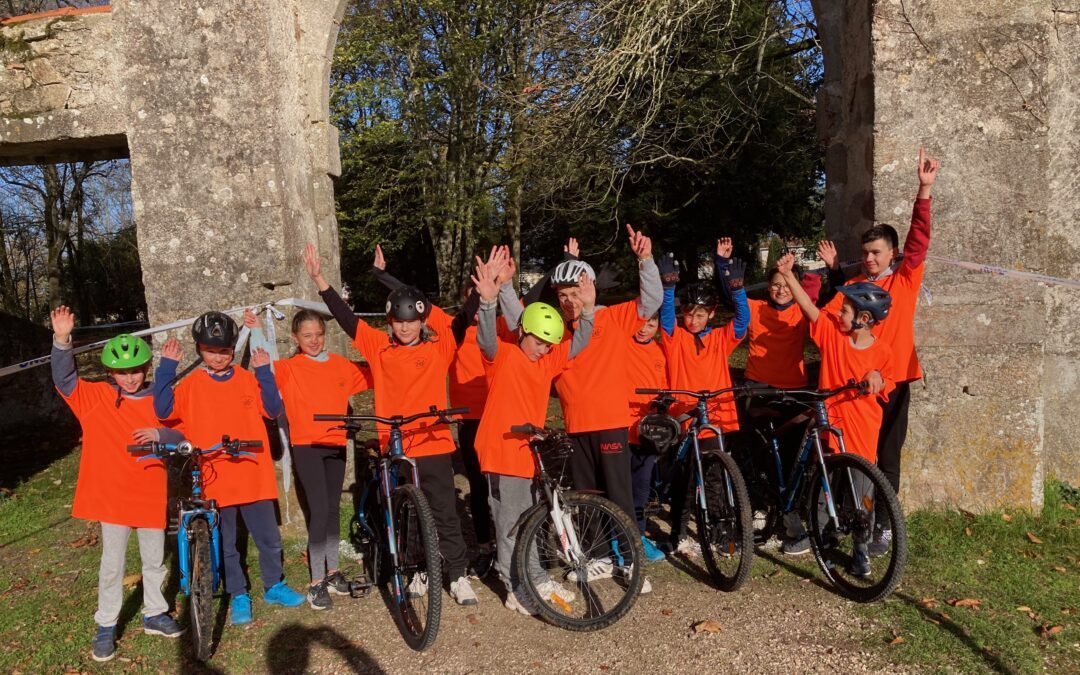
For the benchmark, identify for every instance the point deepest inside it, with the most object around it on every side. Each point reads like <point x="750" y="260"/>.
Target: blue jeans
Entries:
<point x="641" y="475"/>
<point x="261" y="522"/>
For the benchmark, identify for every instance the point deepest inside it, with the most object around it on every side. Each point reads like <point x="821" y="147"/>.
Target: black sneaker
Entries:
<point x="860" y="562"/>
<point x="336" y="583"/>
<point x="481" y="564"/>
<point x="319" y="597"/>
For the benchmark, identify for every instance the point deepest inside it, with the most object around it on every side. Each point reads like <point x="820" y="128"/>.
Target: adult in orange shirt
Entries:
<point x="113" y="487"/>
<point x="409" y="362"/>
<point x="314" y="381"/>
<point x="219" y="400"/>
<point x="520" y="376"/>
<point x="849" y="350"/>
<point x="902" y="278"/>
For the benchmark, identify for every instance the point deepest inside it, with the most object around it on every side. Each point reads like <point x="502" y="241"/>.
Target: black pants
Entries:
<point x="893" y="432"/>
<point x="601" y="461"/>
<point x="642" y="465"/>
<point x="260" y="519"/>
<point x="478" y="485"/>
<point x="437" y="484"/>
<point x="320" y="470"/>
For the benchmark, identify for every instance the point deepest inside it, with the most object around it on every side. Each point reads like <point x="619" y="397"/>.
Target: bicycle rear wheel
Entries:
<point x="841" y="549"/>
<point x="419" y="569"/>
<point x="595" y="591"/>
<point x="725" y="528"/>
<point x="201" y="600"/>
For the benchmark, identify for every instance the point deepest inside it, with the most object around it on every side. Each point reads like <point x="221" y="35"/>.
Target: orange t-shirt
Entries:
<point x="468" y="381"/>
<point x="520" y="390"/>
<point x="113" y="487"/>
<point x="777" y="338"/>
<point x="594" y="390"/>
<point x="409" y="380"/>
<point x="705" y="370"/>
<point x="309" y="387"/>
<point x="859" y="417"/>
<point x="646" y="366"/>
<point x="898" y="329"/>
<point x="209" y="409"/>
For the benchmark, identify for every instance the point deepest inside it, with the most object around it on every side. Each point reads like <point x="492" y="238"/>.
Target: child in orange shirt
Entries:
<point x="314" y="381"/>
<point x="520" y="385"/>
<point x="849" y="350"/>
<point x="113" y="487"/>
<point x="218" y="400"/>
<point x="409" y="362"/>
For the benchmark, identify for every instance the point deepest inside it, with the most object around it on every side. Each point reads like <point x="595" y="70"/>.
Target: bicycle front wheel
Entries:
<point x="843" y="548"/>
<point x="598" y="581"/>
<point x="725" y="527"/>
<point x="416" y="579"/>
<point x="201" y="601"/>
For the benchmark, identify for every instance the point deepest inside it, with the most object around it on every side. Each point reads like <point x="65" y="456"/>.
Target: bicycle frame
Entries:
<point x="700" y="422"/>
<point x="564" y="527"/>
<point x="186" y="517"/>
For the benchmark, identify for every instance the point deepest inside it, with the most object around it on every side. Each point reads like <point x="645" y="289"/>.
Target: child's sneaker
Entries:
<point x="652" y="554"/>
<point x="796" y="546"/>
<point x="688" y="547"/>
<point x="595" y="570"/>
<point x="882" y="540"/>
<point x="521" y="605"/>
<point x="552" y="588"/>
<point x="461" y="591"/>
<point x="482" y="563"/>
<point x="281" y="594"/>
<point x="860" y="562"/>
<point x="240" y="609"/>
<point x="104" y="644"/>
<point x="318" y="596"/>
<point x="162" y="624"/>
<point x="417" y="588"/>
<point x="336" y="583"/>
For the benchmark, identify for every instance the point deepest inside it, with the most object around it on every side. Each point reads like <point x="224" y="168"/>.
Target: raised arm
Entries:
<point x="268" y="389"/>
<point x="733" y="280"/>
<point x="64" y="374"/>
<point x="786" y="266"/>
<point x="164" y="376"/>
<point x="341" y="311"/>
<point x="509" y="302"/>
<point x="721" y="264"/>
<point x="650" y="290"/>
<point x="917" y="242"/>
<point x="669" y="278"/>
<point x="487" y="288"/>
<point x="587" y="293"/>
<point x="378" y="270"/>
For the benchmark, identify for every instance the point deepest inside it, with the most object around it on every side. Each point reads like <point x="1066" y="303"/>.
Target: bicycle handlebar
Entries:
<point x="187" y="449"/>
<point x="862" y="387"/>
<point x="701" y="394"/>
<point x="397" y="420"/>
<point x="530" y="429"/>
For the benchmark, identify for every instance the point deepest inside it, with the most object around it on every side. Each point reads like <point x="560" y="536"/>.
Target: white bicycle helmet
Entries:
<point x="568" y="272"/>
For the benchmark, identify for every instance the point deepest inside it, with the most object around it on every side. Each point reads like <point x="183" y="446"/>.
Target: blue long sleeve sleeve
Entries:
<point x="163" y="391"/>
<point x="667" y="311"/>
<point x="720" y="266"/>
<point x="742" y="313"/>
<point x="268" y="390"/>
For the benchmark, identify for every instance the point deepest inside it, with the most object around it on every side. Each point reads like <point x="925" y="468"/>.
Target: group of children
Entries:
<point x="502" y="368"/>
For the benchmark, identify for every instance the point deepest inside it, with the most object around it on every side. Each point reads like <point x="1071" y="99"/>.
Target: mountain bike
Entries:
<point x="840" y="496"/>
<point x="721" y="503"/>
<point x="395" y="530"/>
<point x="197" y="530"/>
<point x="579" y="537"/>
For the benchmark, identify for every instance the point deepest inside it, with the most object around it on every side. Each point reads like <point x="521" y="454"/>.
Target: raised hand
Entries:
<point x="786" y="264"/>
<point x="586" y="291"/>
<point x="250" y="320"/>
<point x="572" y="248"/>
<point x="927" y="170"/>
<point x="509" y="267"/>
<point x="826" y="250"/>
<point x="380" y="260"/>
<point x="724" y="247"/>
<point x="641" y="244"/>
<point x="63" y="322"/>
<point x="148" y="435"/>
<point x="485" y="278"/>
<point x="669" y="270"/>
<point x="734" y="274"/>
<point x="172" y="350"/>
<point x="259" y="357"/>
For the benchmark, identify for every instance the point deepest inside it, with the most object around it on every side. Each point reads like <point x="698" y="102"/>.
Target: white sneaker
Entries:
<point x="417" y="588"/>
<point x="646" y="586"/>
<point x="521" y="605"/>
<point x="689" y="547"/>
<point x="552" y="588"/>
<point x="595" y="571"/>
<point x="461" y="591"/>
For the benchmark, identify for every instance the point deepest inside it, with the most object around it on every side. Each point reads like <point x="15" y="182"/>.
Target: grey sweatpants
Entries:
<point x="114" y="542"/>
<point x="509" y="497"/>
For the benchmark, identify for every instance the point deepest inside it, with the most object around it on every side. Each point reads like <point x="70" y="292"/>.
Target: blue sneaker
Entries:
<point x="652" y="554"/>
<point x="104" y="644"/>
<point x="860" y="562"/>
<point x="162" y="624"/>
<point x="240" y="609"/>
<point x="281" y="594"/>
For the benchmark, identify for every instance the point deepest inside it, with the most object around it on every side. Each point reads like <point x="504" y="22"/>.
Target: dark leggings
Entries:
<point x="478" y="484"/>
<point x="894" y="423"/>
<point x="642" y="465"/>
<point x="321" y="472"/>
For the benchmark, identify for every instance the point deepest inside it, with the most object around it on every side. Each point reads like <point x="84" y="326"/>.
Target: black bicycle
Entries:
<point x="396" y="532"/>
<point x="578" y="537"/>
<point x="721" y="502"/>
<point x="841" y="497"/>
<point x="198" y="531"/>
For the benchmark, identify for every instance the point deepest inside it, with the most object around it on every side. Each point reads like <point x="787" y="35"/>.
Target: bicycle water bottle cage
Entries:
<point x="662" y="431"/>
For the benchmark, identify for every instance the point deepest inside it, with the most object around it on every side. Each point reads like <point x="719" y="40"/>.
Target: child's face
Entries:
<point x="130" y="380"/>
<point x="778" y="290"/>
<point x="695" y="318"/>
<point x="648" y="330"/>
<point x="217" y="359"/>
<point x="311" y="337"/>
<point x="877" y="256"/>
<point x="406" y="332"/>
<point x="569" y="302"/>
<point x="848" y="317"/>
<point x="534" y="347"/>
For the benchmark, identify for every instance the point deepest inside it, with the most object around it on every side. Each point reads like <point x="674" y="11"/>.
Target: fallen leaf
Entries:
<point x="667" y="611"/>
<point x="1023" y="608"/>
<point x="896" y="641"/>
<point x="967" y="531"/>
<point x="1006" y="517"/>
<point x="928" y="603"/>
<point x="1059" y="568"/>
<point x="57" y="481"/>
<point x="471" y="618"/>
<point x="1033" y="539"/>
<point x="88" y="539"/>
<point x="933" y="621"/>
<point x="131" y="580"/>
<point x="605" y="667"/>
<point x="967" y="513"/>
<point x="1066" y="610"/>
<point x="708" y="626"/>
<point x="1068" y="506"/>
<point x="944" y="616"/>
<point x="770" y="575"/>
<point x="966" y="602"/>
<point x="1047" y="631"/>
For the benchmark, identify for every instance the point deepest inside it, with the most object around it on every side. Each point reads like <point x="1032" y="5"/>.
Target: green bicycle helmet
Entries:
<point x="125" y="351"/>
<point x="543" y="321"/>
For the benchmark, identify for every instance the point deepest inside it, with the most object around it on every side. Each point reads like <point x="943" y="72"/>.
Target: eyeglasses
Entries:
<point x="777" y="287"/>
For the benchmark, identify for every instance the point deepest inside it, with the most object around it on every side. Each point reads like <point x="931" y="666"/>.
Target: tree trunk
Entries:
<point x="56" y="232"/>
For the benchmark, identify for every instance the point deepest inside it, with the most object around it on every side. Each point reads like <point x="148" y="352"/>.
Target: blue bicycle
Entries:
<point x="198" y="534"/>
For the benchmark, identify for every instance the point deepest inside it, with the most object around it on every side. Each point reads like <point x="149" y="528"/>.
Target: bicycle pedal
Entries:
<point x="360" y="587"/>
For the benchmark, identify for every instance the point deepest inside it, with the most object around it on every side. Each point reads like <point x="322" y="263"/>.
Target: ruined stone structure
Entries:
<point x="222" y="108"/>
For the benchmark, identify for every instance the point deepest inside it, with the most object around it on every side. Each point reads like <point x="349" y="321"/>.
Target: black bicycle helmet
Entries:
<point x="215" y="329"/>
<point x="407" y="304"/>
<point x="868" y="297"/>
<point x="660" y="430"/>
<point x="700" y="293"/>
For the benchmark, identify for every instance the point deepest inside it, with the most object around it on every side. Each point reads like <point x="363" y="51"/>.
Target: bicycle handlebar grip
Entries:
<point x="329" y="418"/>
<point x="142" y="447"/>
<point x="250" y="444"/>
<point x="647" y="391"/>
<point x="523" y="429"/>
<point x="456" y="411"/>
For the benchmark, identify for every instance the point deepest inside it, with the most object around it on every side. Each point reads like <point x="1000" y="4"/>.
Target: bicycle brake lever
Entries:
<point x="146" y="457"/>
